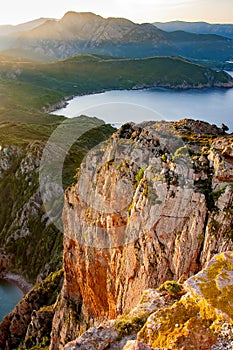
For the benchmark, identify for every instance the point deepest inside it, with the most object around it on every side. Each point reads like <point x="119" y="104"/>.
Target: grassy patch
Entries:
<point x="127" y="324"/>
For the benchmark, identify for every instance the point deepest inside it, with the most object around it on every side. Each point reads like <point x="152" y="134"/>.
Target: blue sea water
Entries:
<point x="120" y="106"/>
<point x="10" y="294"/>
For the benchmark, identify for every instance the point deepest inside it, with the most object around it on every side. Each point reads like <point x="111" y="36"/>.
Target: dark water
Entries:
<point x="117" y="107"/>
<point x="10" y="294"/>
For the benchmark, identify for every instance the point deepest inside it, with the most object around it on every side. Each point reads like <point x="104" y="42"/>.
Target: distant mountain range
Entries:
<point x="197" y="28"/>
<point x="82" y="33"/>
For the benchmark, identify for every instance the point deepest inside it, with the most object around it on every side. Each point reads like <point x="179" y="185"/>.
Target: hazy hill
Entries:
<point x="197" y="27"/>
<point x="9" y="29"/>
<point x="79" y="33"/>
<point x="9" y="33"/>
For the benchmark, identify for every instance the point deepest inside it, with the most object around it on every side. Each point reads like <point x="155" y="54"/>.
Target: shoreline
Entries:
<point x="19" y="281"/>
<point x="65" y="101"/>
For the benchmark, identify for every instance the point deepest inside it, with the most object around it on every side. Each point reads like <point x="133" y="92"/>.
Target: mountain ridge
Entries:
<point x="77" y="33"/>
<point x="10" y="28"/>
<point x="9" y="33"/>
<point x="198" y="27"/>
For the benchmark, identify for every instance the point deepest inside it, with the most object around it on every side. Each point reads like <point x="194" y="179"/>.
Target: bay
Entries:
<point x="214" y="105"/>
<point x="10" y="294"/>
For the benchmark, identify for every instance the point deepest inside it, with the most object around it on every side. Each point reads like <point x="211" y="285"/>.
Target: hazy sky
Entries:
<point x="215" y="11"/>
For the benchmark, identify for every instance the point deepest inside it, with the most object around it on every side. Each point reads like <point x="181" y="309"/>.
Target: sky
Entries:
<point x="213" y="11"/>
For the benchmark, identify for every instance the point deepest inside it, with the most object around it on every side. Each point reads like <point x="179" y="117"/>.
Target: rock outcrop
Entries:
<point x="202" y="318"/>
<point x="154" y="203"/>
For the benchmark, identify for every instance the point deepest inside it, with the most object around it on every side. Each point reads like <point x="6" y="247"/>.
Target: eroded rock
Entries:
<point x="139" y="215"/>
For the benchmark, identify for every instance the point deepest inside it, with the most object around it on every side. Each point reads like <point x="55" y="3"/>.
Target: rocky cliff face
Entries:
<point x="154" y="203"/>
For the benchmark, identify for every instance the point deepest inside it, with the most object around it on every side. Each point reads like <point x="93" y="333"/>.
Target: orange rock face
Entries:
<point x="136" y="217"/>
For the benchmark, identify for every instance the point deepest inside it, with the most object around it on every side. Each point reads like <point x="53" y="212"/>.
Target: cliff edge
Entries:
<point x="153" y="203"/>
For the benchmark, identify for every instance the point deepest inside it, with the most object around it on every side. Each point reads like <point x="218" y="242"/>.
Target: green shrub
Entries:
<point x="172" y="287"/>
<point x="140" y="174"/>
<point x="127" y="324"/>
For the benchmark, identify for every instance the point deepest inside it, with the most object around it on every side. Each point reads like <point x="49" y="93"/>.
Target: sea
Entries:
<point x="116" y="107"/>
<point x="10" y="294"/>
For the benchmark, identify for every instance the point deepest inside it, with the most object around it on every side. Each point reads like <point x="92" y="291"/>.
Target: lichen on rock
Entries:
<point x="198" y="319"/>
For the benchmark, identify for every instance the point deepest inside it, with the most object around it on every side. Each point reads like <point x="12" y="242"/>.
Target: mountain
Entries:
<point x="9" y="33"/>
<point x="22" y="27"/>
<point x="88" y="33"/>
<point x="152" y="206"/>
<point x="79" y="33"/>
<point x="28" y="91"/>
<point x="197" y="27"/>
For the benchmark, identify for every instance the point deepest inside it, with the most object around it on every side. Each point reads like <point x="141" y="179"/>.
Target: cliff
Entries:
<point x="154" y="203"/>
<point x="31" y="244"/>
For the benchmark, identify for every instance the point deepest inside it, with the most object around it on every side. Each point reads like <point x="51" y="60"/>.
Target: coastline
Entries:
<point x="179" y="87"/>
<point x="19" y="281"/>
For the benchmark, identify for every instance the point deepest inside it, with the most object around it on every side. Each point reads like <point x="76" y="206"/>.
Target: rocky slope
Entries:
<point x="22" y="219"/>
<point x="31" y="244"/>
<point x="202" y="319"/>
<point x="32" y="318"/>
<point x="79" y="33"/>
<point x="154" y="203"/>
